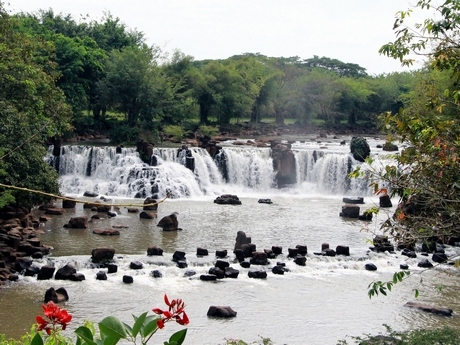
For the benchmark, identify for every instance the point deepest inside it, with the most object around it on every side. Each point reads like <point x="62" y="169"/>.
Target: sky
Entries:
<point x="351" y="31"/>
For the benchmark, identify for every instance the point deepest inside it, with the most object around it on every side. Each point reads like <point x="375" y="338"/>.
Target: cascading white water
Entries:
<point x="234" y="170"/>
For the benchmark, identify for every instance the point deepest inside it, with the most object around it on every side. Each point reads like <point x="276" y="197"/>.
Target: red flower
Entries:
<point x="55" y="316"/>
<point x="175" y="312"/>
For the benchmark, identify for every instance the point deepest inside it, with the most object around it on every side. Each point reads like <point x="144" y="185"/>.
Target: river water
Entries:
<point x="319" y="303"/>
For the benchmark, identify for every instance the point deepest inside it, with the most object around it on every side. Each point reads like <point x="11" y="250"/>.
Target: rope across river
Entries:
<point x="81" y="201"/>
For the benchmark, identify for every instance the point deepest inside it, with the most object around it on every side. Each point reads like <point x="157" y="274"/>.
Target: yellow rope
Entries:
<point x="81" y="201"/>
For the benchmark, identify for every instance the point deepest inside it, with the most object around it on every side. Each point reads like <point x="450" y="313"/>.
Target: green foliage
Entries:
<point x="445" y="336"/>
<point x="383" y="287"/>
<point x="261" y="341"/>
<point x="210" y="131"/>
<point x="32" y="109"/>
<point x="176" y="133"/>
<point x="124" y="134"/>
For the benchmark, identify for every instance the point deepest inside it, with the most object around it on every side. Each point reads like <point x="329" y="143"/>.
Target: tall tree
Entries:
<point x="32" y="109"/>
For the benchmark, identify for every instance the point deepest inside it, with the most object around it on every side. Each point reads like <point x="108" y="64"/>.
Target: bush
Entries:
<point x="444" y="336"/>
<point x="175" y="133"/>
<point x="124" y="134"/>
<point x="210" y="131"/>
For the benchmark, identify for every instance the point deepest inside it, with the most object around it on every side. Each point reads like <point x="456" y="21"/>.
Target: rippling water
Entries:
<point x="319" y="303"/>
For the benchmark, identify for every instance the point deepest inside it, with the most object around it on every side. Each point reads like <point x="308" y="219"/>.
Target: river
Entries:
<point x="319" y="303"/>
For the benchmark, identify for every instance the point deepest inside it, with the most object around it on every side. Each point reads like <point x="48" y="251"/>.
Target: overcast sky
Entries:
<point x="349" y="30"/>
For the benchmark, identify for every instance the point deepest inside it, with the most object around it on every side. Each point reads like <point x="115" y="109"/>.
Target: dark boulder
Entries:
<point x="136" y="265"/>
<point x="241" y="239"/>
<point x="90" y="194"/>
<point x="221" y="253"/>
<point x="65" y="273"/>
<point x="222" y="264"/>
<point x="208" y="277"/>
<point x="150" y="204"/>
<point x="430" y="309"/>
<point x="265" y="201"/>
<point x="201" y="252"/>
<point x="231" y="272"/>
<point x="46" y="272"/>
<point x="342" y="250"/>
<point x="300" y="260"/>
<point x="350" y="211"/>
<point x="101" y="275"/>
<point x="148" y="215"/>
<point x="353" y="200"/>
<point x="77" y="223"/>
<point x="178" y="256"/>
<point x="370" y="267"/>
<point x="439" y="257"/>
<point x="169" y="223"/>
<point x="385" y="201"/>
<point x="156" y="274"/>
<point x="227" y="199"/>
<point x="128" y="279"/>
<point x="154" y="251"/>
<point x="257" y="274"/>
<point x="56" y="296"/>
<point x="218" y="272"/>
<point x="102" y="254"/>
<point x="425" y="263"/>
<point x="221" y="311"/>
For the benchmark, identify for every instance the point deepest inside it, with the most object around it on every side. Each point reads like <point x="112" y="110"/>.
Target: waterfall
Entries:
<point x="234" y="170"/>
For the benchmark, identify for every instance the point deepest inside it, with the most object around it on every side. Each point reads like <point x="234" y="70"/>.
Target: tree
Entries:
<point x="425" y="176"/>
<point x="32" y="109"/>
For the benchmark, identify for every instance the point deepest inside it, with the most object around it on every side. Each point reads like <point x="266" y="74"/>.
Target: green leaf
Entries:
<point x="178" y="337"/>
<point x="150" y="325"/>
<point x="37" y="340"/>
<point x="416" y="293"/>
<point x="112" y="328"/>
<point x="85" y="334"/>
<point x="139" y="322"/>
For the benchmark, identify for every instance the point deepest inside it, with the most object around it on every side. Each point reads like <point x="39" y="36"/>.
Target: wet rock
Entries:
<point x="425" y="263"/>
<point x="221" y="253"/>
<point x="265" y="201"/>
<point x="259" y="258"/>
<point x="154" y="251"/>
<point x="385" y="201"/>
<point x="350" y="211"/>
<point x="90" y="194"/>
<point x="148" y="215"/>
<point x="77" y="277"/>
<point x="245" y="264"/>
<point x="353" y="200"/>
<point x="231" y="272"/>
<point x="248" y="249"/>
<point x="169" y="223"/>
<point x="409" y="253"/>
<point x="69" y="203"/>
<point x="227" y="199"/>
<point x="342" y="250"/>
<point x="257" y="274"/>
<point x="65" y="272"/>
<point x="128" y="279"/>
<point x="101" y="275"/>
<point x="55" y="211"/>
<point x="221" y="311"/>
<point x="241" y="239"/>
<point x="102" y="254"/>
<point x="370" y="267"/>
<point x="201" y="252"/>
<point x="222" y="264"/>
<point x="218" y="272"/>
<point x="208" y="277"/>
<point x="182" y="264"/>
<point x="112" y="268"/>
<point x="56" y="296"/>
<point x="156" y="274"/>
<point x="359" y="148"/>
<point x="300" y="260"/>
<point x="77" y="223"/>
<point x="277" y="250"/>
<point x="439" y="257"/>
<point x="106" y="232"/>
<point x="189" y="273"/>
<point x="46" y="272"/>
<point x="430" y="309"/>
<point x="150" y="204"/>
<point x="178" y="256"/>
<point x="136" y="265"/>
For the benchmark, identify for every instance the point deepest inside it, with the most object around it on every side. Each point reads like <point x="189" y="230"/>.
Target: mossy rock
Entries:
<point x="389" y="146"/>
<point x="359" y="148"/>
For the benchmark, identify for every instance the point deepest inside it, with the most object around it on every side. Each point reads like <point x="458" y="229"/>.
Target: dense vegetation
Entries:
<point x="104" y="68"/>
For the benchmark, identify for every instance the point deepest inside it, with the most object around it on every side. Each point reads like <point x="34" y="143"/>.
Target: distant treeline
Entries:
<point x="113" y="80"/>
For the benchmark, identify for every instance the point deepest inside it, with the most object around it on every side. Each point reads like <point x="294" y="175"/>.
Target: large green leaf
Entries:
<point x="85" y="334"/>
<point x="139" y="322"/>
<point x="37" y="340"/>
<point x="178" y="337"/>
<point x="150" y="325"/>
<point x="112" y="328"/>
